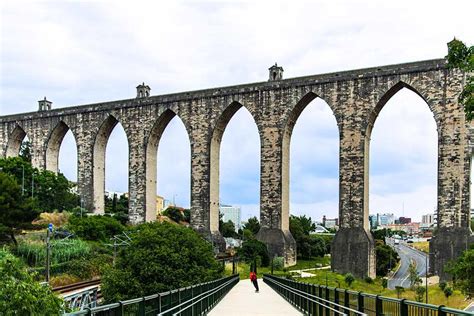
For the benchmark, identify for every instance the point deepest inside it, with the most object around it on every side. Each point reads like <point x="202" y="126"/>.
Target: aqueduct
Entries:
<point x="355" y="98"/>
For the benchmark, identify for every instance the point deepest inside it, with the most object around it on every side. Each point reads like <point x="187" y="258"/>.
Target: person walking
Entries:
<point x="253" y="279"/>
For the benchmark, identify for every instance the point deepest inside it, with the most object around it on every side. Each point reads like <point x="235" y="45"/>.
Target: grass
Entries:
<point x="423" y="246"/>
<point x="435" y="295"/>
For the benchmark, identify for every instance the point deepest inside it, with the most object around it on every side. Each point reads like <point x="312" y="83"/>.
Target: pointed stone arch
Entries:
<point x="53" y="145"/>
<point x="99" y="150"/>
<point x="215" y="145"/>
<point x="152" y="144"/>
<point x="14" y="141"/>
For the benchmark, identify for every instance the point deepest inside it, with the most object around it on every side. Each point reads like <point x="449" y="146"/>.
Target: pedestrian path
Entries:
<point x="242" y="300"/>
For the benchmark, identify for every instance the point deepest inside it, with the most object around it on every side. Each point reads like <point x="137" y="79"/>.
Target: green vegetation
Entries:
<point x="349" y="279"/>
<point x="252" y="250"/>
<point x="117" y="207"/>
<point x="462" y="271"/>
<point x="176" y="214"/>
<point x="51" y="191"/>
<point x="34" y="252"/>
<point x="95" y="227"/>
<point x="462" y="57"/>
<point x="16" y="210"/>
<point x="422" y="246"/>
<point x="161" y="256"/>
<point x="387" y="259"/>
<point x="252" y="225"/>
<point x="307" y="246"/>
<point x="21" y="293"/>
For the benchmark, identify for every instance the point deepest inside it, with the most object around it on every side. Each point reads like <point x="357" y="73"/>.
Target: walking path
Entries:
<point x="242" y="300"/>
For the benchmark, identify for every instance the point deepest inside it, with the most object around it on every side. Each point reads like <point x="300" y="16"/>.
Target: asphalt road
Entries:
<point x="407" y="255"/>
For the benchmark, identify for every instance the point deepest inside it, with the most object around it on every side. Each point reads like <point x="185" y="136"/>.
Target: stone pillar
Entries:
<point x="274" y="206"/>
<point x="138" y="213"/>
<point x="201" y="219"/>
<point x="352" y="249"/>
<point x="453" y="234"/>
<point x="85" y="167"/>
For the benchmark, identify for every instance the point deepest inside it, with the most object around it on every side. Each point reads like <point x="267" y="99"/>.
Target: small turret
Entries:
<point x="275" y="73"/>
<point x="44" y="105"/>
<point x="143" y="91"/>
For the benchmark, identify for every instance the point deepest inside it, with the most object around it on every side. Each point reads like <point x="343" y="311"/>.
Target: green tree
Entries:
<point x="95" y="227"/>
<point x="349" y="279"/>
<point x="25" y="151"/>
<point x="253" y="225"/>
<point x="420" y="293"/>
<point x="386" y="259"/>
<point x="160" y="257"/>
<point x="462" y="57"/>
<point x="447" y="293"/>
<point x="462" y="270"/>
<point x="254" y="250"/>
<point x="16" y="212"/>
<point x="413" y="275"/>
<point x="227" y="229"/>
<point x="174" y="213"/>
<point x="307" y="245"/>
<point x="384" y="283"/>
<point x="21" y="294"/>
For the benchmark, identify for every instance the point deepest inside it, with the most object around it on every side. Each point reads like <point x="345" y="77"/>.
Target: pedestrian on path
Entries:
<point x="253" y="279"/>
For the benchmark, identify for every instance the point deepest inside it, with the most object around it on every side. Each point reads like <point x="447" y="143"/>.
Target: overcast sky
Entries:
<point x="79" y="52"/>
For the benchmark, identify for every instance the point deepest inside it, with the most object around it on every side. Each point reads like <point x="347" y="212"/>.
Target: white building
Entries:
<point x="428" y="219"/>
<point x="231" y="213"/>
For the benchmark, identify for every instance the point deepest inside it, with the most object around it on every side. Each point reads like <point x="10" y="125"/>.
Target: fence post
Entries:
<point x="327" y="298"/>
<point x="141" y="307"/>
<point x="120" y="309"/>
<point x="403" y="308"/>
<point x="360" y="302"/>
<point x="378" y="306"/>
<point x="441" y="311"/>
<point x="320" y="294"/>
<point x="346" y="299"/>
<point x="336" y="298"/>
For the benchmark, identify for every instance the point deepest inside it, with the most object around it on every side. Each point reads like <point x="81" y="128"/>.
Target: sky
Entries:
<point x="80" y="52"/>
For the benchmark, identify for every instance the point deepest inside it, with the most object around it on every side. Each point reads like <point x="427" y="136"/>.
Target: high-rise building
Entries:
<point x="385" y="219"/>
<point x="428" y="219"/>
<point x="404" y="220"/>
<point x="231" y="213"/>
<point x="373" y="221"/>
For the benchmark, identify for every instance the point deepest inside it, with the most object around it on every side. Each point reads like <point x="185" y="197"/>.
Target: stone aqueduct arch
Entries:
<point x="355" y="97"/>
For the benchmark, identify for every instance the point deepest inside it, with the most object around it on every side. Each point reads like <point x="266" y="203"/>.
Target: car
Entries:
<point x="409" y="241"/>
<point x="396" y="242"/>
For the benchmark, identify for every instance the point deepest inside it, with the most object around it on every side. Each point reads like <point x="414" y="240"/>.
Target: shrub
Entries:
<point x="160" y="257"/>
<point x="442" y="285"/>
<point x="20" y="293"/>
<point x="95" y="227"/>
<point x="56" y="218"/>
<point x="369" y="280"/>
<point x="278" y="263"/>
<point x="349" y="279"/>
<point x="63" y="279"/>
<point x="253" y="249"/>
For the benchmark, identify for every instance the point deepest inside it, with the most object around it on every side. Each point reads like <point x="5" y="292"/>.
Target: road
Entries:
<point x="407" y="255"/>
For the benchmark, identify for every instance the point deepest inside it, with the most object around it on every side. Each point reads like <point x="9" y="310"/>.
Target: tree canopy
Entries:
<point x="462" y="271"/>
<point x="160" y="257"/>
<point x="307" y="245"/>
<point x="462" y="57"/>
<point x="252" y="225"/>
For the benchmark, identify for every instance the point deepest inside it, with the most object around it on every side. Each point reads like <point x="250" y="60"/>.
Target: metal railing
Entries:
<point x="313" y="299"/>
<point x="193" y="300"/>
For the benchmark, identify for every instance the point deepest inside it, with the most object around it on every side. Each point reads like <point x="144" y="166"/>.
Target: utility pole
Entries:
<point x="23" y="180"/>
<point x="48" y="250"/>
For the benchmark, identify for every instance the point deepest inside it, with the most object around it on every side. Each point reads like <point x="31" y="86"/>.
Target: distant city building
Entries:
<point x="160" y="204"/>
<point x="385" y="219"/>
<point x="404" y="220"/>
<point x="428" y="219"/>
<point x="373" y="221"/>
<point x="410" y="229"/>
<point x="231" y="213"/>
<point x="330" y="222"/>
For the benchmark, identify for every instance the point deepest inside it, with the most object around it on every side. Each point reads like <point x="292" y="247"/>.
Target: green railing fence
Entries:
<point x="313" y="299"/>
<point x="193" y="300"/>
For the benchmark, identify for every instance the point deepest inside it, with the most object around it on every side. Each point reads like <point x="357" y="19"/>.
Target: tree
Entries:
<point x="306" y="246"/>
<point x="253" y="225"/>
<point x="16" y="212"/>
<point x="227" y="229"/>
<point x="462" y="270"/>
<point x="461" y="57"/>
<point x="384" y="283"/>
<point x="349" y="279"/>
<point x="253" y="250"/>
<point x="413" y="275"/>
<point x="21" y="294"/>
<point x="25" y="151"/>
<point x="160" y="257"/>
<point x="447" y="293"/>
<point x="399" y="290"/>
<point x="95" y="227"/>
<point x="420" y="293"/>
<point x="386" y="259"/>
<point x="307" y="224"/>
<point x="174" y="213"/>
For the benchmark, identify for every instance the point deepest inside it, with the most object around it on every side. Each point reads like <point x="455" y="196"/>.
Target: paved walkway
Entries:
<point x="242" y="300"/>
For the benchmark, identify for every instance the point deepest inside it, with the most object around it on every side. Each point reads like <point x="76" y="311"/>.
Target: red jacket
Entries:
<point x="253" y="276"/>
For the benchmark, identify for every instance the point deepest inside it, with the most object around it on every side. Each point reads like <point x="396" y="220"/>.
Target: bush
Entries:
<point x="96" y="227"/>
<point x="442" y="285"/>
<point x="349" y="279"/>
<point x="160" y="257"/>
<point x="386" y="259"/>
<point x="174" y="213"/>
<point x="253" y="249"/>
<point x="278" y="263"/>
<point x="20" y="293"/>
<point x="369" y="280"/>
